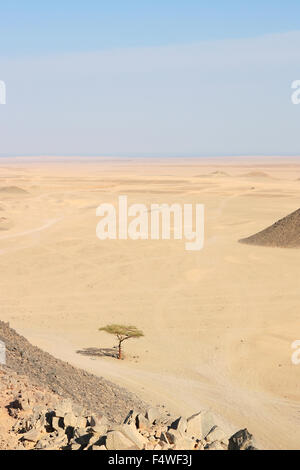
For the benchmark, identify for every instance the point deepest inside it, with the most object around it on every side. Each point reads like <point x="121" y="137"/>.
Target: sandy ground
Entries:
<point x="218" y="323"/>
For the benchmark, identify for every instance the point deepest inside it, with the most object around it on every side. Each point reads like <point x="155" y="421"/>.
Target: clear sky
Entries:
<point x="168" y="77"/>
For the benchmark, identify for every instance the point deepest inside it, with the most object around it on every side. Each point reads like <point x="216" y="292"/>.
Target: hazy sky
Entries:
<point x="149" y="78"/>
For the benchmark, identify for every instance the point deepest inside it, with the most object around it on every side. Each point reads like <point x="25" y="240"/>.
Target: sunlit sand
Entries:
<point x="218" y="323"/>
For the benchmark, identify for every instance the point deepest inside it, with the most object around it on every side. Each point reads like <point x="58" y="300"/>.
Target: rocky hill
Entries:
<point x="284" y="233"/>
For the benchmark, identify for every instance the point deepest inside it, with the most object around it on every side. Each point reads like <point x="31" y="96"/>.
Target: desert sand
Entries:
<point x="218" y="323"/>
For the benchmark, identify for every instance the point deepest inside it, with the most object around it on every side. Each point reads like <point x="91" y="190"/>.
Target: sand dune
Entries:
<point x="213" y="173"/>
<point x="256" y="174"/>
<point x="12" y="190"/>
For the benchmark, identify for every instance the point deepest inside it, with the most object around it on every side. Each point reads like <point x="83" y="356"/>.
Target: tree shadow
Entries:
<point x="99" y="352"/>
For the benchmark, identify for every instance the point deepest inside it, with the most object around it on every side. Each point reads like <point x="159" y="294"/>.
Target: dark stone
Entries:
<point x="241" y="440"/>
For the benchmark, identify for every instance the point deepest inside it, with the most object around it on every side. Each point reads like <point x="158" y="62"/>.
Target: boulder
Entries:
<point x="134" y="436"/>
<point x="216" y="434"/>
<point x="33" y="435"/>
<point x="241" y="440"/>
<point x="99" y="424"/>
<point x="172" y="436"/>
<point x="117" y="441"/>
<point x="57" y="423"/>
<point x="142" y="423"/>
<point x="194" y="426"/>
<point x="180" y="424"/>
<point x="152" y="414"/>
<point x="200" y="424"/>
<point x="70" y="420"/>
<point x="163" y="438"/>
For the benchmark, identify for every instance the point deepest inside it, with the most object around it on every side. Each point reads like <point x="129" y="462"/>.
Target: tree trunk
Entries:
<point x="120" y="350"/>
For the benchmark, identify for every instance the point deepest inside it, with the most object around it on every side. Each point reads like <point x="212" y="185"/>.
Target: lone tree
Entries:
<point x="123" y="333"/>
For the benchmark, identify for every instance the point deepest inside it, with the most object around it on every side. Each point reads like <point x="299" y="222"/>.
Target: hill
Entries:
<point x="284" y="233"/>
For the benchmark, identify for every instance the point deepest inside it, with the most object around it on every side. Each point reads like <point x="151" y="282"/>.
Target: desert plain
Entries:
<point x="218" y="323"/>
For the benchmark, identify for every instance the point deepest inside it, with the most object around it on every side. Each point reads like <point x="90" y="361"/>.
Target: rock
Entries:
<point x="99" y="424"/>
<point x="75" y="446"/>
<point x="142" y="423"/>
<point x="60" y="441"/>
<point x="157" y="447"/>
<point x="57" y="423"/>
<point x="172" y="436"/>
<point x="134" y="436"/>
<point x="152" y="414"/>
<point x="42" y="444"/>
<point x="117" y="441"/>
<point x="94" y="447"/>
<point x="163" y="438"/>
<point x="164" y="446"/>
<point x="149" y="446"/>
<point x="184" y="443"/>
<point x="177" y="439"/>
<point x="81" y="423"/>
<point x="82" y="437"/>
<point x="194" y="426"/>
<point x="180" y="424"/>
<point x="41" y="421"/>
<point x="80" y="432"/>
<point x="208" y="422"/>
<point x="64" y="407"/>
<point x="33" y="435"/>
<point x="200" y="424"/>
<point x="131" y="417"/>
<point x="216" y="434"/>
<point x="71" y="420"/>
<point x="199" y="445"/>
<point x="241" y="440"/>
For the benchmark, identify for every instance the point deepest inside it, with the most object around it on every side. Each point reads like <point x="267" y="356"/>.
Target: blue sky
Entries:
<point x="149" y="78"/>
<point x="30" y="27"/>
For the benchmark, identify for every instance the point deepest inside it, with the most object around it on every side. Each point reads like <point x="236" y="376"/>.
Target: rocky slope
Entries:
<point x="284" y="233"/>
<point x="91" y="392"/>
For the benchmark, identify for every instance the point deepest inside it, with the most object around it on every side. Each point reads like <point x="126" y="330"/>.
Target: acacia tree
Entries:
<point x="122" y="332"/>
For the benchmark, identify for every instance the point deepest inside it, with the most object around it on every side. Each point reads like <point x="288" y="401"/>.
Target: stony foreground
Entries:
<point x="46" y="404"/>
<point x="35" y="418"/>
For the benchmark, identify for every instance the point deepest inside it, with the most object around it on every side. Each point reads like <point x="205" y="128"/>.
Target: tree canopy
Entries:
<point x="123" y="330"/>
